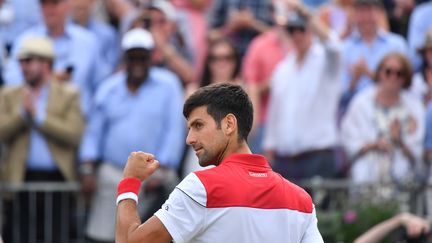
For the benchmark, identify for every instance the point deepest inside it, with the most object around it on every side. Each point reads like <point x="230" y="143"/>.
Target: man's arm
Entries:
<point x="129" y="228"/>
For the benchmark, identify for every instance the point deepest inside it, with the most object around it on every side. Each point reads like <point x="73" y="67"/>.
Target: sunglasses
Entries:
<point x="293" y="29"/>
<point x="138" y="59"/>
<point x="394" y="72"/>
<point x="221" y="58"/>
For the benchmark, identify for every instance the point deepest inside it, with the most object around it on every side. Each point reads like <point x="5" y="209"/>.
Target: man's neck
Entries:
<point x="369" y="36"/>
<point x="57" y="31"/>
<point x="387" y="98"/>
<point x="237" y="148"/>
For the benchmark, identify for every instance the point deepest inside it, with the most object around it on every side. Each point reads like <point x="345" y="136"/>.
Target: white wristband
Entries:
<point x="127" y="195"/>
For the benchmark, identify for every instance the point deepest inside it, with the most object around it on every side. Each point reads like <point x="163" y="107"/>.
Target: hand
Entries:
<point x="414" y="225"/>
<point x="395" y="132"/>
<point x="382" y="145"/>
<point x="88" y="186"/>
<point x="28" y="102"/>
<point x="140" y="165"/>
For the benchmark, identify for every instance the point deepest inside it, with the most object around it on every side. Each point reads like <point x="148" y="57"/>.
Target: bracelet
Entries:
<point x="128" y="188"/>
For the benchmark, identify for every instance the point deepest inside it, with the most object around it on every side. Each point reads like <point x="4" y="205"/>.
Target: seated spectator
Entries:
<point x="261" y="58"/>
<point x="81" y="12"/>
<point x="420" y="22"/>
<point x="76" y="49"/>
<point x="240" y="20"/>
<point x="422" y="81"/>
<point x="383" y="130"/>
<point x="301" y="135"/>
<point x="136" y="109"/>
<point x="40" y="125"/>
<point x="417" y="229"/>
<point x="365" y="48"/>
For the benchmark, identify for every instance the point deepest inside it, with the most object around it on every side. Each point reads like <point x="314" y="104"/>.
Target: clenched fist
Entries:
<point x="140" y="165"/>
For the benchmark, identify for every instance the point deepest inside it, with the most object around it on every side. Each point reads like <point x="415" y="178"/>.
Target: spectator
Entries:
<point x="260" y="60"/>
<point x="420" y="22"/>
<point x="383" y="129"/>
<point x="160" y="17"/>
<point x="137" y="109"/>
<point x="364" y="49"/>
<point x="399" y="12"/>
<point x="240" y="20"/>
<point x="76" y="50"/>
<point x="304" y="94"/>
<point x="16" y="17"/>
<point x="192" y="22"/>
<point x="422" y="80"/>
<point x="417" y="229"/>
<point x="222" y="65"/>
<point x="339" y="16"/>
<point x="40" y="125"/>
<point x="81" y="11"/>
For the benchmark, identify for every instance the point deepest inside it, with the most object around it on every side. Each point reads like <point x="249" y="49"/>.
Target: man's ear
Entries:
<point x="229" y="124"/>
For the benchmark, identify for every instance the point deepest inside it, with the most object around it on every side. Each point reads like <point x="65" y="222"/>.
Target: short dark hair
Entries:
<point x="220" y="100"/>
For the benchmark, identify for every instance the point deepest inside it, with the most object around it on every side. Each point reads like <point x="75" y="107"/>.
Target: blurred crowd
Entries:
<point x="341" y="89"/>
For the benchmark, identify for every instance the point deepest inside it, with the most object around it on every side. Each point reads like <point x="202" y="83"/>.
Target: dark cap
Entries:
<point x="295" y="19"/>
<point x="376" y="3"/>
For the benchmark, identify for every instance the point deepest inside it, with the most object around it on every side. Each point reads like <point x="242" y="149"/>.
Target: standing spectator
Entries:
<point x="107" y="36"/>
<point x="132" y="106"/>
<point x="422" y="81"/>
<point x="420" y="23"/>
<point x="260" y="60"/>
<point x="365" y="49"/>
<point x="240" y="20"/>
<point x="76" y="50"/>
<point x="301" y="135"/>
<point x="383" y="129"/>
<point x="16" y="16"/>
<point x="40" y="125"/>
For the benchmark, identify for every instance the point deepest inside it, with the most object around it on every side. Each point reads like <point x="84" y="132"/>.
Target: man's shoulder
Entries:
<point x="10" y="90"/>
<point x="66" y="88"/>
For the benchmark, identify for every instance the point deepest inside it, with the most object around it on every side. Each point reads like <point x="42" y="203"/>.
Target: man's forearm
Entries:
<point x="127" y="220"/>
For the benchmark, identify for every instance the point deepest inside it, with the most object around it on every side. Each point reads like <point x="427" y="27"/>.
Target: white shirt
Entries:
<point x="241" y="200"/>
<point x="304" y="101"/>
<point x="360" y="127"/>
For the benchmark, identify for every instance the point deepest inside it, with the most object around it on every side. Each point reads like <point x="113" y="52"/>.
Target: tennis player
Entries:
<point x="239" y="200"/>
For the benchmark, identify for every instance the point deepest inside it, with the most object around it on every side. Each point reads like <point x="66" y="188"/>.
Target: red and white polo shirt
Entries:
<point x="241" y="200"/>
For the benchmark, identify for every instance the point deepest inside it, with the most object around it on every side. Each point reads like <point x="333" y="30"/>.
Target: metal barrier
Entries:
<point x="63" y="209"/>
<point x="333" y="193"/>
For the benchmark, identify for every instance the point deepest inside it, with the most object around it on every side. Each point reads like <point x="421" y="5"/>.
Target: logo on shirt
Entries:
<point x="257" y="174"/>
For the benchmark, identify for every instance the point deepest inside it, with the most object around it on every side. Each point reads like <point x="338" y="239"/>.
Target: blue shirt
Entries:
<point x="76" y="48"/>
<point x="355" y="48"/>
<point x="428" y="139"/>
<point x="39" y="156"/>
<point x="109" y="44"/>
<point x="420" y="23"/>
<point x="149" y="120"/>
<point x="26" y="14"/>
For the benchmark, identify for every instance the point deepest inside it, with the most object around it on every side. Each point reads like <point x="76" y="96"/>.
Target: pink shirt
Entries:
<point x="264" y="53"/>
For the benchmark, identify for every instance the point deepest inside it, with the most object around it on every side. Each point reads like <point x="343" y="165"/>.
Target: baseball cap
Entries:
<point x="165" y="7"/>
<point x="36" y="46"/>
<point x="137" y="38"/>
